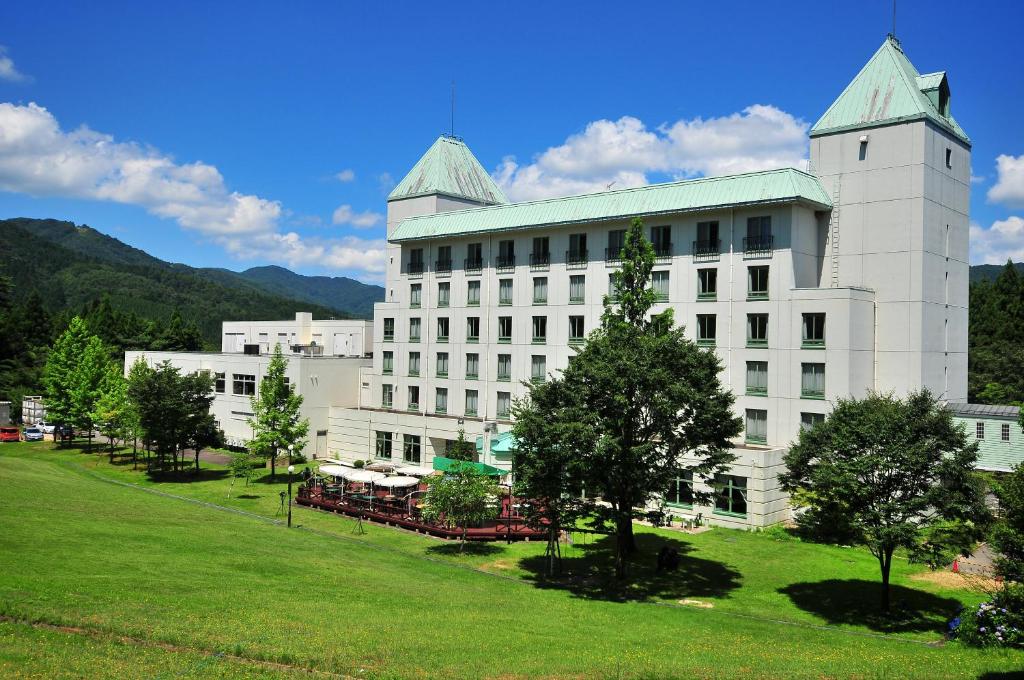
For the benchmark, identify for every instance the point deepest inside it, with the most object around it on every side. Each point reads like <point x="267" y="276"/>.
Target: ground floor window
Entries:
<point x="809" y="420"/>
<point x="680" y="490"/>
<point x="411" y="448"/>
<point x="383" y="445"/>
<point x="731" y="496"/>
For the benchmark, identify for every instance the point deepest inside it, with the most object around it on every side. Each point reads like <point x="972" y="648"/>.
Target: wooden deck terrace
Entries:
<point x="403" y="512"/>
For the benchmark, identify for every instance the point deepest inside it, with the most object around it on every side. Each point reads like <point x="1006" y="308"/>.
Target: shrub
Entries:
<point x="358" y="463"/>
<point x="999" y="622"/>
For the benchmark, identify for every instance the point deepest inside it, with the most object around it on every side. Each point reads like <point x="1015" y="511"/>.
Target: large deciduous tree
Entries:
<point x="650" y="399"/>
<point x="1008" y="533"/>
<point x="113" y="410"/>
<point x="91" y="372"/>
<point x="59" y="378"/>
<point x="276" y="420"/>
<point x="894" y="473"/>
<point x="463" y="496"/>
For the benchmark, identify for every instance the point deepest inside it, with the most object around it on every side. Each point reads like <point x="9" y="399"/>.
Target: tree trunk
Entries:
<point x="197" y="460"/>
<point x="465" y="530"/>
<point x="111" y="449"/>
<point x="624" y="543"/>
<point x="273" y="464"/>
<point x="885" y="562"/>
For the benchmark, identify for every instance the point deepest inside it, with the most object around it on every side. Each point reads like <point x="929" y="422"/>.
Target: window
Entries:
<point x="757" y="283"/>
<point x="472" y="366"/>
<point x="1005" y="432"/>
<point x="472" y="402"/>
<point x="541" y="255"/>
<point x="949" y="158"/>
<point x="383" y="449"/>
<point x="814" y="330"/>
<point x="661" y="239"/>
<point x="444" y="260"/>
<point x="416" y="261"/>
<point x="757" y="426"/>
<point x="731" y="496"/>
<point x="442" y="365"/>
<point x="979" y="430"/>
<point x="504" y="367"/>
<point x="415" y="294"/>
<point x="506" y="255"/>
<point x="576" y="331"/>
<point x="473" y="293"/>
<point x="243" y="384"/>
<point x="659" y="281"/>
<point x="540" y="290"/>
<point x="680" y="490"/>
<point x="218" y="383"/>
<point x="577" y="286"/>
<point x="809" y="420"/>
<point x="504" y="329"/>
<point x="616" y="242"/>
<point x="411" y="448"/>
<point x="757" y="330"/>
<point x="707" y="244"/>
<point x="613" y="288"/>
<point x="759" y="235"/>
<point x="505" y="292"/>
<point x="414" y="398"/>
<point x="707" y="284"/>
<point x="387" y="395"/>
<point x="441" y="400"/>
<point x="540" y="329"/>
<point x="504" y="407"/>
<point x="812" y="381"/>
<point x="389" y="363"/>
<point x="389" y="330"/>
<point x="473" y="329"/>
<point x="442" y="328"/>
<point x="444" y="293"/>
<point x="757" y="378"/>
<point x="414" y="363"/>
<point x="538" y="368"/>
<point x="414" y="330"/>
<point x="474" y="257"/>
<point x="577" y="254"/>
<point x="707" y="329"/>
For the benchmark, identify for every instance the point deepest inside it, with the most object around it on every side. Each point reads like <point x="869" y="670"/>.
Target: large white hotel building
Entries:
<point x="809" y="286"/>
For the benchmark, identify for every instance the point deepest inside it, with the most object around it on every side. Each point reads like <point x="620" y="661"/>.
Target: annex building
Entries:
<point x="809" y="286"/>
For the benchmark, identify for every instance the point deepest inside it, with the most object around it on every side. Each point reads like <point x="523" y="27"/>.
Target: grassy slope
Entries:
<point x="75" y="550"/>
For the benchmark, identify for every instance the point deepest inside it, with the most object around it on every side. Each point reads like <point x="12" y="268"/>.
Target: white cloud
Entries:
<point x="7" y="69"/>
<point x="386" y="182"/>
<point x="38" y="158"/>
<point x="1009" y="186"/>
<point x="625" y="151"/>
<point x="346" y="175"/>
<point x="368" y="219"/>
<point x="1002" y="241"/>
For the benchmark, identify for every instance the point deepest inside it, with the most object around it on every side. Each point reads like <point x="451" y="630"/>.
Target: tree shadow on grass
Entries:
<point x="859" y="602"/>
<point x="187" y="476"/>
<point x="588" y="572"/>
<point x="472" y="548"/>
<point x="248" y="496"/>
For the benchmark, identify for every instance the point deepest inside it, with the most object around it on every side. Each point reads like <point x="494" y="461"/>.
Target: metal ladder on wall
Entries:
<point x="833" y="228"/>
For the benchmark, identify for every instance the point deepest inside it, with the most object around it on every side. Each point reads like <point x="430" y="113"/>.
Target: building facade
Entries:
<point x="997" y="431"/>
<point x="304" y="335"/>
<point x="808" y="286"/>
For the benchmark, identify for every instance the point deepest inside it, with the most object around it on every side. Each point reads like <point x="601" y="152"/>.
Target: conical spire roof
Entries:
<point x="449" y="168"/>
<point x="889" y="90"/>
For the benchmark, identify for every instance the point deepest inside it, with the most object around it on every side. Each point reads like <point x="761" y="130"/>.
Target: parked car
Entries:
<point x="10" y="434"/>
<point x="64" y="431"/>
<point x="33" y="434"/>
<point x="47" y="428"/>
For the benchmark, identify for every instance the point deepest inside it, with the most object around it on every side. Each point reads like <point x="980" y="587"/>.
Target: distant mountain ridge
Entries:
<point x="989" y="272"/>
<point x="70" y="265"/>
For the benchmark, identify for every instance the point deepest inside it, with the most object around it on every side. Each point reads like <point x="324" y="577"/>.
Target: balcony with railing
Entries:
<point x="414" y="268"/>
<point x="540" y="261"/>
<point x="473" y="264"/>
<point x="613" y="256"/>
<point x="758" y="246"/>
<point x="505" y="262"/>
<point x="575" y="259"/>
<point x="443" y="267"/>
<point x="662" y="252"/>
<point x="707" y="249"/>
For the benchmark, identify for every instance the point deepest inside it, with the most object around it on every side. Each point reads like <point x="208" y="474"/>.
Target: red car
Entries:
<point x="10" y="434"/>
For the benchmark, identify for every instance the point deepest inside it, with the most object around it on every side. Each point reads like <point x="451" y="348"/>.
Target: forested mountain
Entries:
<point x="352" y="295"/>
<point x="996" y="339"/>
<point x="989" y="272"/>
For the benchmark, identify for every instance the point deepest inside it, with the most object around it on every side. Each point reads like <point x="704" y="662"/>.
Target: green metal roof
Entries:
<point x="449" y="168"/>
<point x="887" y="90"/>
<point x="754" y="188"/>
<point x="445" y="464"/>
<point x="502" y="445"/>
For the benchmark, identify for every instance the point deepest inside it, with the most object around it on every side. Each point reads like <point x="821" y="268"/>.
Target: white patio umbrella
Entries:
<point x="415" y="471"/>
<point x="334" y="470"/>
<point x="359" y="475"/>
<point x="398" y="482"/>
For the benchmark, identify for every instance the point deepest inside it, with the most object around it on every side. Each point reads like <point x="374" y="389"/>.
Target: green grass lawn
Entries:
<point x="161" y="583"/>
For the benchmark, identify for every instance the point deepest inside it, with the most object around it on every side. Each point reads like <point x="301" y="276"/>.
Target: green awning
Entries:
<point x="443" y="464"/>
<point x="501" y="444"/>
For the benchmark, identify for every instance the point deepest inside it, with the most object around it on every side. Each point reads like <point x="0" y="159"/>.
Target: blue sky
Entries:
<point x="237" y="134"/>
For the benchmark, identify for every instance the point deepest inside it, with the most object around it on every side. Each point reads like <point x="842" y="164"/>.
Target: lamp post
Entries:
<point x="291" y="469"/>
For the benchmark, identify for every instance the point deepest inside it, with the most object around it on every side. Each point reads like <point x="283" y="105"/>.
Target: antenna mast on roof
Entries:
<point x="453" y="109"/>
<point x="893" y="33"/>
